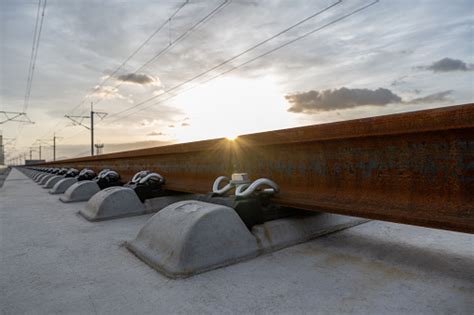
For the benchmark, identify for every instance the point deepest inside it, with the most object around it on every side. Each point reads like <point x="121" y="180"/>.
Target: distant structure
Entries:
<point x="99" y="148"/>
<point x="2" y="151"/>
<point x="32" y="162"/>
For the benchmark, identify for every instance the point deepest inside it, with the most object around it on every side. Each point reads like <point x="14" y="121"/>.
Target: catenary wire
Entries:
<point x="259" y="56"/>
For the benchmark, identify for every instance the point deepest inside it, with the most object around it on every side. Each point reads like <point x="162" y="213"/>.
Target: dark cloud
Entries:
<point x="448" y="65"/>
<point x="341" y="98"/>
<point x="185" y="124"/>
<point x="432" y="98"/>
<point x="344" y="98"/>
<point x="399" y="81"/>
<point x="139" y="78"/>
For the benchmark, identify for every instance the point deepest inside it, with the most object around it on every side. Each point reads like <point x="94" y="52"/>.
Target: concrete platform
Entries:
<point x="4" y="171"/>
<point x="54" y="261"/>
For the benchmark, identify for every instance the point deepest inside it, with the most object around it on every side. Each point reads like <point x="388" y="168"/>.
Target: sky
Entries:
<point x="394" y="56"/>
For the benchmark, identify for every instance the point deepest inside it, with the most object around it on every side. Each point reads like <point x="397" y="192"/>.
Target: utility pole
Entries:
<point x="92" y="129"/>
<point x="40" y="142"/>
<point x="77" y="120"/>
<point x="54" y="146"/>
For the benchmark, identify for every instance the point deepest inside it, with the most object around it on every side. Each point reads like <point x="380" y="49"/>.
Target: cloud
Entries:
<point x="342" y="98"/>
<point x="171" y="126"/>
<point x="185" y="124"/>
<point x="165" y="115"/>
<point x="432" y="98"/>
<point x="447" y="65"/>
<point x="139" y="78"/>
<point x="149" y="123"/>
<point x="156" y="133"/>
<point x="106" y="92"/>
<point x="399" y="81"/>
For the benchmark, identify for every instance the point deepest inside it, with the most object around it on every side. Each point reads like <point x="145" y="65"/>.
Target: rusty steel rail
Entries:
<point x="415" y="168"/>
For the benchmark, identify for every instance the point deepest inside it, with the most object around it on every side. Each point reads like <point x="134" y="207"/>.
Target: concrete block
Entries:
<point x="116" y="202"/>
<point x="190" y="237"/>
<point x="45" y="178"/>
<point x="281" y="233"/>
<point x="80" y="191"/>
<point x="62" y="185"/>
<point x="113" y="202"/>
<point x="52" y="181"/>
<point x="41" y="177"/>
<point x="158" y="203"/>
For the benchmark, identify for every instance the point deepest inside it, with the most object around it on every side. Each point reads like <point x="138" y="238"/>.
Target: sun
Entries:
<point x="232" y="137"/>
<point x="232" y="107"/>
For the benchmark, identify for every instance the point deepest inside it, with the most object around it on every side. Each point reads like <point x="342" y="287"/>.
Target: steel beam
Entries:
<point x="415" y="168"/>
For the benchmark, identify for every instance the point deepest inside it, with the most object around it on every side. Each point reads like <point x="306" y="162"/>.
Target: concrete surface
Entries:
<point x="61" y="186"/>
<point x="4" y="171"/>
<point x="54" y="261"/>
<point x="281" y="233"/>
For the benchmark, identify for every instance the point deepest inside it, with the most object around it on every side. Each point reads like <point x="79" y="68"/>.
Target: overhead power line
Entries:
<point x="33" y="45"/>
<point x="14" y="116"/>
<point x="137" y="50"/>
<point x="181" y="37"/>
<point x="78" y="120"/>
<point x="124" y="62"/>
<point x="337" y="20"/>
<point x="32" y="64"/>
<point x="34" y="54"/>
<point x="171" y="44"/>
<point x="245" y="51"/>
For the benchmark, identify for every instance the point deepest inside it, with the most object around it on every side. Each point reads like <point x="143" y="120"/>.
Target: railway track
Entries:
<point x="415" y="168"/>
